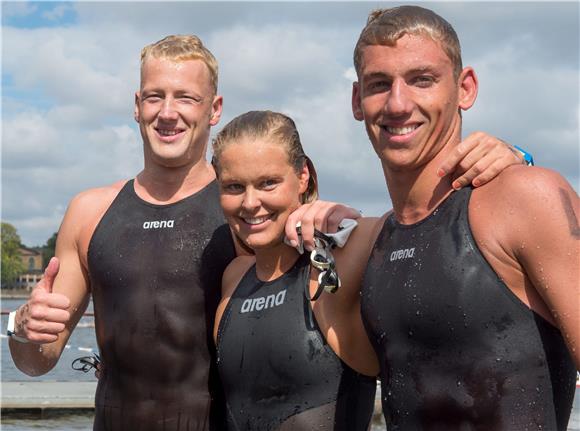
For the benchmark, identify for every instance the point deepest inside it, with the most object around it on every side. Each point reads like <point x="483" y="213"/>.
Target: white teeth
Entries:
<point x="400" y="130"/>
<point x="256" y="220"/>
<point x="167" y="132"/>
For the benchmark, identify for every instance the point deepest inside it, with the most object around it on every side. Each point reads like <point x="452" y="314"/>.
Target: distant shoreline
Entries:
<point x="14" y="294"/>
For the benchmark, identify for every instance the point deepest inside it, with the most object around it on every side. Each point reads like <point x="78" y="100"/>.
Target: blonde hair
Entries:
<point x="277" y="128"/>
<point x="182" y="48"/>
<point x="386" y="26"/>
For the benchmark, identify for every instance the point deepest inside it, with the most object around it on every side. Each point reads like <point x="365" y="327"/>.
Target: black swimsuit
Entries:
<point x="457" y="349"/>
<point x="277" y="370"/>
<point x="155" y="274"/>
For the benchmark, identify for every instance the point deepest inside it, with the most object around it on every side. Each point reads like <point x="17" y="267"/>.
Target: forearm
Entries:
<point x="34" y="359"/>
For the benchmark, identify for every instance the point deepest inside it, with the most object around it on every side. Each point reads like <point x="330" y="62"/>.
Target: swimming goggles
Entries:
<point x="86" y="363"/>
<point x="322" y="259"/>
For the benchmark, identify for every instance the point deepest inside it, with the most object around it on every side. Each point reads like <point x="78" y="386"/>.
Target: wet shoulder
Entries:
<point x="87" y="208"/>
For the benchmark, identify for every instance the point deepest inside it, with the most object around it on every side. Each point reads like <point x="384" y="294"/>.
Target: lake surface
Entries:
<point x="81" y="343"/>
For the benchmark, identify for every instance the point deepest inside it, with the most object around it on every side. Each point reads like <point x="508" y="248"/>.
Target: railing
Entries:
<point x="87" y="313"/>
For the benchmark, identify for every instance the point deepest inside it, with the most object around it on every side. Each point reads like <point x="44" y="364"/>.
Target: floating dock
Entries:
<point x="38" y="396"/>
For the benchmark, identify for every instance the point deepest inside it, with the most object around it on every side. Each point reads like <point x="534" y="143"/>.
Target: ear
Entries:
<point x="356" y="102"/>
<point x="136" y="111"/>
<point x="303" y="178"/>
<point x="216" y="110"/>
<point x="468" y="86"/>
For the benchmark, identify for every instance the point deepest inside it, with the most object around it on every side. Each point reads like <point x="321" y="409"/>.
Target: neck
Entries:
<point x="272" y="262"/>
<point x="416" y="193"/>
<point x="165" y="185"/>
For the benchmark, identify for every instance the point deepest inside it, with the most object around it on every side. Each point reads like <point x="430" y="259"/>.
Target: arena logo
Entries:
<point x="402" y="254"/>
<point x="158" y="224"/>
<point x="263" y="302"/>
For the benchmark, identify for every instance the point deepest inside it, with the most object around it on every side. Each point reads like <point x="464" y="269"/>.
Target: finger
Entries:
<point x="49" y="275"/>
<point x="56" y="315"/>
<point x="321" y="218"/>
<point x="41" y="337"/>
<point x="491" y="172"/>
<point x="42" y="313"/>
<point x="57" y="300"/>
<point x="464" y="148"/>
<point x="307" y="230"/>
<point x="290" y="227"/>
<point x="467" y="177"/>
<point x="44" y="327"/>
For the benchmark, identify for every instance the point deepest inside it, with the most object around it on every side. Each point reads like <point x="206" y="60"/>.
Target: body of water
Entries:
<point x="82" y="343"/>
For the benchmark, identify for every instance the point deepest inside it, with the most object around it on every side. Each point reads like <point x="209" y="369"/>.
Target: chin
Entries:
<point x="262" y="243"/>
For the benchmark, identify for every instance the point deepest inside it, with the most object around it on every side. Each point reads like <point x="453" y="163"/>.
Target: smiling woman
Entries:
<point x="306" y="363"/>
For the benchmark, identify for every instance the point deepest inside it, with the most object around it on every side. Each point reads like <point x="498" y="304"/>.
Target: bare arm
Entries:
<point x="547" y="244"/>
<point x="338" y="314"/>
<point x="58" y="301"/>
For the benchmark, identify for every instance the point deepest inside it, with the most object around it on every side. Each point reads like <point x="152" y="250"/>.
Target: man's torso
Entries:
<point x="456" y="347"/>
<point x="155" y="274"/>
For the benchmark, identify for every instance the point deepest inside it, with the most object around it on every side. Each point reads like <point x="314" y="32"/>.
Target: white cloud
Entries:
<point x="67" y="120"/>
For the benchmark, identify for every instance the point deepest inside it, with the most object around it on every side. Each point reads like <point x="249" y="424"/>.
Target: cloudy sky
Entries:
<point x="70" y="70"/>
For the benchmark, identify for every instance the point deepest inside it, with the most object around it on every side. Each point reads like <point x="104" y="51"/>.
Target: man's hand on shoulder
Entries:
<point x="478" y="159"/>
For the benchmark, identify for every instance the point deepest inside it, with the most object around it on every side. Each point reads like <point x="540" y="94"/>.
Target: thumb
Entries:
<point x="50" y="274"/>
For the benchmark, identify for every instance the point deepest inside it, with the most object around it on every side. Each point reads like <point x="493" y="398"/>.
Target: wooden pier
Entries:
<point x="40" y="396"/>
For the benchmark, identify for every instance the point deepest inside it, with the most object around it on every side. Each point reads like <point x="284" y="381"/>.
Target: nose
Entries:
<point x="251" y="200"/>
<point x="168" y="111"/>
<point x="399" y="102"/>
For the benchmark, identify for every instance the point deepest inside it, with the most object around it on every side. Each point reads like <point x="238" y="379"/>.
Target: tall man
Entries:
<point x="151" y="252"/>
<point x="470" y="298"/>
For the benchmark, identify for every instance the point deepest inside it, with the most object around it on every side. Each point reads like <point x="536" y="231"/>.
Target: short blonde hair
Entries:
<point x="386" y="26"/>
<point x="277" y="128"/>
<point x="182" y="48"/>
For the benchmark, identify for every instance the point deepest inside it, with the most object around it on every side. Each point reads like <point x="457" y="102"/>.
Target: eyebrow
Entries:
<point x="414" y="71"/>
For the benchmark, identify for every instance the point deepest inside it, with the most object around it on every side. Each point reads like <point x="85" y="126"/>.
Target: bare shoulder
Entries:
<point x="367" y="231"/>
<point x="521" y="183"/>
<point x="519" y="201"/>
<point x="84" y="212"/>
<point x="96" y="198"/>
<point x="234" y="273"/>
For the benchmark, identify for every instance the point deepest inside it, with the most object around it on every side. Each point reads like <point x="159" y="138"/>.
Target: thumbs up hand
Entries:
<point x="45" y="313"/>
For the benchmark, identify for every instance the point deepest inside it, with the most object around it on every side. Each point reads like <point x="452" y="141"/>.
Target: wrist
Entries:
<point x="527" y="158"/>
<point x="11" y="328"/>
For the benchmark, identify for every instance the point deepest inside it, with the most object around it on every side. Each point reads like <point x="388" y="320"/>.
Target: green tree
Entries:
<point x="48" y="249"/>
<point x="12" y="265"/>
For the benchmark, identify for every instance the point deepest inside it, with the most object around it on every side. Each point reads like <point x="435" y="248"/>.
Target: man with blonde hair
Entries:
<point x="151" y="252"/>
<point x="470" y="297"/>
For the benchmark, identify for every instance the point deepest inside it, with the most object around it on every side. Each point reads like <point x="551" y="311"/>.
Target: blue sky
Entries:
<point x="70" y="69"/>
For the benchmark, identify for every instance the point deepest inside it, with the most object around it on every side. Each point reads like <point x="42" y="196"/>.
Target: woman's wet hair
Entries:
<point x="387" y="26"/>
<point x="277" y="129"/>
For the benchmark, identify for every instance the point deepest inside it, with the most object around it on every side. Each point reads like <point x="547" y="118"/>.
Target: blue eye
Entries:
<point x="269" y="184"/>
<point x="232" y="188"/>
<point x="423" y="81"/>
